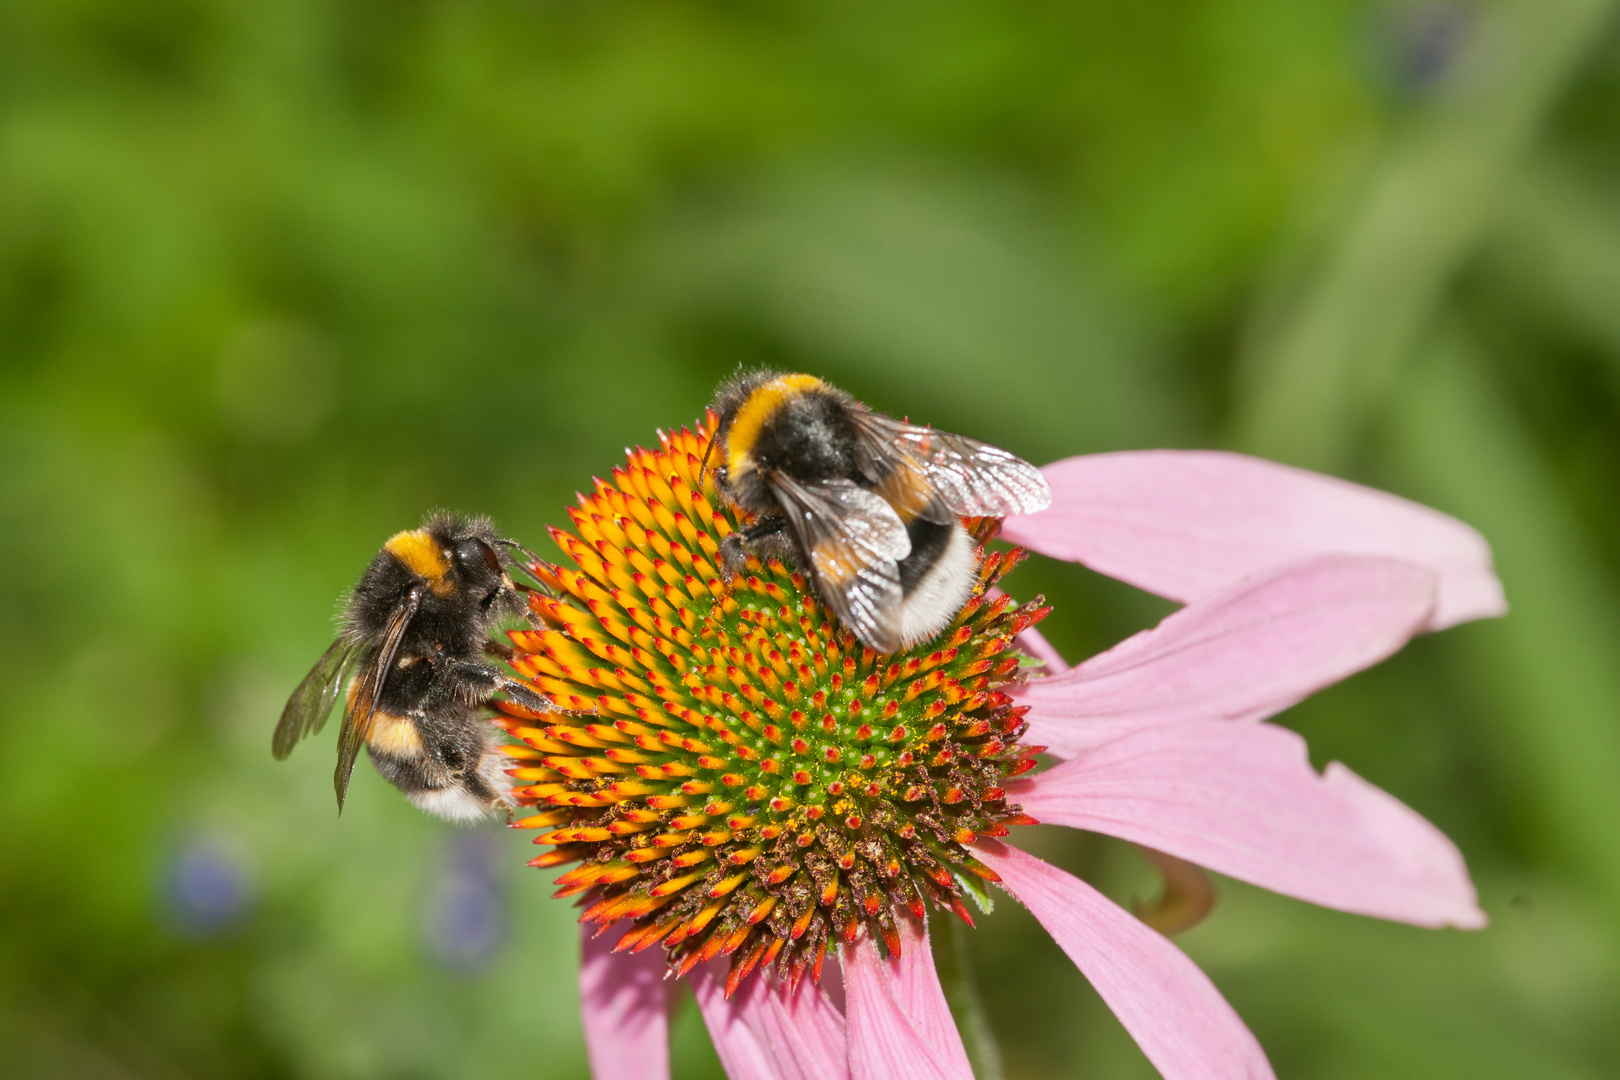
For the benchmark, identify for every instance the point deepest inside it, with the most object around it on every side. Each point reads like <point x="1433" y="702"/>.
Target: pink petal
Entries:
<point x="1243" y="799"/>
<point x="624" y="1003"/>
<point x="762" y="1035"/>
<point x="1185" y="523"/>
<point x="1246" y="652"/>
<point x="899" y="1025"/>
<point x="1171" y="1009"/>
<point x="917" y="988"/>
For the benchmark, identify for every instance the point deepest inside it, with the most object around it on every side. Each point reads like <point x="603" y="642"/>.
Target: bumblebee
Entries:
<point x="416" y="632"/>
<point x="870" y="505"/>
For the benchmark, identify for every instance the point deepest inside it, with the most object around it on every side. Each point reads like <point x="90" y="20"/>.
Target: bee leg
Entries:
<point x="766" y="539"/>
<point x="519" y="564"/>
<point x="485" y="780"/>
<point x="520" y="604"/>
<point x="485" y="681"/>
<point x="523" y="695"/>
<point x="733" y="556"/>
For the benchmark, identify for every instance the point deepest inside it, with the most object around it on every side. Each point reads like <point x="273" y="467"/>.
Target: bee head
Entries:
<point x="459" y="560"/>
<point x="472" y="565"/>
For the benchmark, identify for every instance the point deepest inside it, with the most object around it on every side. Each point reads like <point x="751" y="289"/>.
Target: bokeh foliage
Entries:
<point x="277" y="278"/>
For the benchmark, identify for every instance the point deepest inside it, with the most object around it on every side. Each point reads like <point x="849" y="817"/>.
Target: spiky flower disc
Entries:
<point x="735" y="773"/>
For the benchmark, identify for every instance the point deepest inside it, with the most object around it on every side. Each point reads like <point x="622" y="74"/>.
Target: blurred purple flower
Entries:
<point x="464" y="920"/>
<point x="207" y="885"/>
<point x="1415" y="47"/>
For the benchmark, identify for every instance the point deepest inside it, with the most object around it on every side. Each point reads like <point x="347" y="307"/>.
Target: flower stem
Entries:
<point x="967" y="1007"/>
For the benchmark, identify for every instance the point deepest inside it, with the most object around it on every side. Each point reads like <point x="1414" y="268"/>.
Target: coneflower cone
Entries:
<point x="732" y="770"/>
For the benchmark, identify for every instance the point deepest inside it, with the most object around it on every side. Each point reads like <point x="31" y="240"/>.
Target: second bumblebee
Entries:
<point x="416" y="631"/>
<point x="870" y="505"/>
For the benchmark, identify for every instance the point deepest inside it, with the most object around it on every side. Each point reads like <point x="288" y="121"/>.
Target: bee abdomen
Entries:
<point x="394" y="736"/>
<point x="936" y="578"/>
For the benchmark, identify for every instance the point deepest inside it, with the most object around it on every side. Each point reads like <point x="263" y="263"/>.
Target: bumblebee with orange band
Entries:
<point x="416" y="631"/>
<point x="869" y="505"/>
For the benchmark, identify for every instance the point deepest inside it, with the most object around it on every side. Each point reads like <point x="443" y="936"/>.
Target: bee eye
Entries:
<point x="472" y="554"/>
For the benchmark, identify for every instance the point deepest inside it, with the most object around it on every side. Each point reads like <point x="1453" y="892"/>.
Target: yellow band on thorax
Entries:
<point x="759" y="408"/>
<point x="422" y="555"/>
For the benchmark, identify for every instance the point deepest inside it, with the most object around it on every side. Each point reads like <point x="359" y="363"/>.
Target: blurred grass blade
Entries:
<point x="1321" y="363"/>
<point x="1549" y="673"/>
<point x="1558" y="241"/>
<point x="1398" y="1003"/>
<point x="953" y="959"/>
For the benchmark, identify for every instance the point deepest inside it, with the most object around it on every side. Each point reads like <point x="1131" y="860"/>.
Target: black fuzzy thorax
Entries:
<point x="810" y="436"/>
<point x="451" y="625"/>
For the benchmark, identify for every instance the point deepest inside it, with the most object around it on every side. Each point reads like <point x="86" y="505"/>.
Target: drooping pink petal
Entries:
<point x="900" y="1027"/>
<point x="762" y="1035"/>
<point x="624" y="1003"/>
<point x="1245" y="652"/>
<point x="1186" y="523"/>
<point x="917" y="988"/>
<point x="1242" y="799"/>
<point x="1171" y="1009"/>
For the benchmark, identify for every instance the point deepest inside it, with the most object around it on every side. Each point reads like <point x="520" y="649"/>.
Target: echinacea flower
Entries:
<point x="745" y="788"/>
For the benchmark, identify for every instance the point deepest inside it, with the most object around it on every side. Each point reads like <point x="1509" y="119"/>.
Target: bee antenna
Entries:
<point x="532" y="557"/>
<point x="518" y="547"/>
<point x="702" y="469"/>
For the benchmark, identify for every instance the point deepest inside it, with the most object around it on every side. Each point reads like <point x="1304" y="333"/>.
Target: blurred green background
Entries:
<point x="277" y="278"/>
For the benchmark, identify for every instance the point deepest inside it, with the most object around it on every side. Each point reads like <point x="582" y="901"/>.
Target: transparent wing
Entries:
<point x="939" y="476"/>
<point x="312" y="702"/>
<point x="362" y="706"/>
<point x="855" y="542"/>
